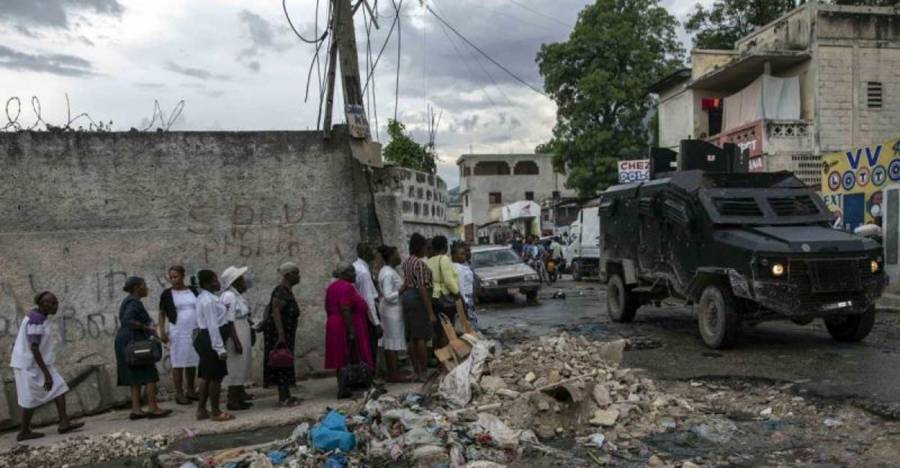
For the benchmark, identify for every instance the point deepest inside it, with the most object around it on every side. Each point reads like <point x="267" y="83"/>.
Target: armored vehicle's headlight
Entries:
<point x="874" y="266"/>
<point x="777" y="269"/>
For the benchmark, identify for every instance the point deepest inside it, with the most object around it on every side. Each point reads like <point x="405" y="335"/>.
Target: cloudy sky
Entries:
<point x="238" y="66"/>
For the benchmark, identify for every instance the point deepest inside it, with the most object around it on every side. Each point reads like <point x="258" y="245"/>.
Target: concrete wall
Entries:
<point x="397" y="192"/>
<point x="80" y="212"/>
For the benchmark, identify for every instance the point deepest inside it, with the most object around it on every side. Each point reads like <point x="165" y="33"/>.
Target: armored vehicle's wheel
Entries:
<point x="620" y="302"/>
<point x="851" y="327"/>
<point x="718" y="318"/>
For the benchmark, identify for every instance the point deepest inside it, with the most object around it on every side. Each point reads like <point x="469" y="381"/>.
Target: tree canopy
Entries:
<point x="404" y="151"/>
<point x="599" y="79"/>
<point x="726" y="21"/>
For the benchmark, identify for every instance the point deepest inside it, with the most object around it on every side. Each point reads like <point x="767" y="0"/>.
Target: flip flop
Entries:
<point x="134" y="416"/>
<point x="71" y="427"/>
<point x="29" y="436"/>
<point x="159" y="415"/>
<point x="223" y="416"/>
<point x="201" y="417"/>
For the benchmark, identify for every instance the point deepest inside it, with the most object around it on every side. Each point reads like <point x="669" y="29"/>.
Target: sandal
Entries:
<point x="161" y="414"/>
<point x="29" y="436"/>
<point x="239" y="406"/>
<point x="71" y="427"/>
<point x="192" y="397"/>
<point x="202" y="416"/>
<point x="134" y="416"/>
<point x="223" y="416"/>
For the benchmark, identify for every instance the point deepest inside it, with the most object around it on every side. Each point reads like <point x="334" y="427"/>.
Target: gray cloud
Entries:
<point x="58" y="64"/>
<point x="198" y="73"/>
<point x="150" y="85"/>
<point x="262" y="39"/>
<point x="54" y="13"/>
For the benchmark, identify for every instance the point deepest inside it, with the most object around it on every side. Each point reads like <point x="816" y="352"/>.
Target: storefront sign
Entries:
<point x="852" y="182"/>
<point x="636" y="170"/>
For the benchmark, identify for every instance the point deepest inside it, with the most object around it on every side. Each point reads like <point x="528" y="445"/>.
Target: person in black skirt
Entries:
<point x="214" y="329"/>
<point x="279" y="330"/>
<point x="135" y="325"/>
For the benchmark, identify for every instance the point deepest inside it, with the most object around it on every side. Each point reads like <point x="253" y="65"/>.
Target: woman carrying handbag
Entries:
<point x="347" y="348"/>
<point x="279" y="335"/>
<point x="136" y="332"/>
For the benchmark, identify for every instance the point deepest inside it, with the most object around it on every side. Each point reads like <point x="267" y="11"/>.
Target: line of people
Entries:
<point x="208" y="329"/>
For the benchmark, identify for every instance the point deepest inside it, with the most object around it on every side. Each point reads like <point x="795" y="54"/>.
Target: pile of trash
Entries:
<point x="487" y="411"/>
<point x="85" y="450"/>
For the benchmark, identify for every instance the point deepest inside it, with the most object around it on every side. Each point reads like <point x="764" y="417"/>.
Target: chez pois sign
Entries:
<point x="635" y="170"/>
<point x="852" y="181"/>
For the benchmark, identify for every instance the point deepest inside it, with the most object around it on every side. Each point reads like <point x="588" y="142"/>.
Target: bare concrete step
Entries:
<point x="889" y="302"/>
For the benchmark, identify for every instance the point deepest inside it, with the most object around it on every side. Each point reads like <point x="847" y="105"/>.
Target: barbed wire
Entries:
<point x="16" y="122"/>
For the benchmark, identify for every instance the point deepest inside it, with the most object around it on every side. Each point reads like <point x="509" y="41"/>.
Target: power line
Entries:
<point x="466" y="63"/>
<point x="399" y="49"/>
<point x="297" y="33"/>
<point x="529" y="9"/>
<point x="483" y="53"/>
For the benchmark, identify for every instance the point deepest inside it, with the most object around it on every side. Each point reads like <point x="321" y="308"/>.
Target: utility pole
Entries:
<point x="344" y="47"/>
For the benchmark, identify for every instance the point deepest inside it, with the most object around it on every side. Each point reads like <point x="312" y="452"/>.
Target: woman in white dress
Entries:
<point x="394" y="336"/>
<point x="177" y="322"/>
<point x="37" y="381"/>
<point x="240" y="356"/>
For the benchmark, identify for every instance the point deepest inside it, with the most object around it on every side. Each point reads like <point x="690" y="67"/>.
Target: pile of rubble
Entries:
<point x="488" y="411"/>
<point x="82" y="450"/>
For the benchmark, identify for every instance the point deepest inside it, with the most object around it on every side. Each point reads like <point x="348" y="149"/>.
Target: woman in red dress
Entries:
<point x="346" y="329"/>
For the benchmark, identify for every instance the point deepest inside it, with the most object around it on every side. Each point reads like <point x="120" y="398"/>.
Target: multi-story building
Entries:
<point x="490" y="181"/>
<point x="820" y="79"/>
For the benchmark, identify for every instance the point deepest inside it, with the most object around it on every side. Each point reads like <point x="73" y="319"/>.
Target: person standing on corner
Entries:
<point x="346" y="330"/>
<point x="37" y="381"/>
<point x="135" y="325"/>
<point x="279" y="331"/>
<point x="178" y="307"/>
<point x="460" y="253"/>
<point x="366" y="287"/>
<point x="394" y="339"/>
<point x="419" y="317"/>
<point x="214" y="329"/>
<point x="234" y="284"/>
<point x="446" y="285"/>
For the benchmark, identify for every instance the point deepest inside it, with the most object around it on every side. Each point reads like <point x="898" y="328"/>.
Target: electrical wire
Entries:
<point x="297" y="33"/>
<point x="484" y="54"/>
<point x="536" y="12"/>
<point x="465" y="62"/>
<point x="399" y="49"/>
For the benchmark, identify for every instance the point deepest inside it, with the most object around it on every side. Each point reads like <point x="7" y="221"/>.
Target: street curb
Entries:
<point x="888" y="303"/>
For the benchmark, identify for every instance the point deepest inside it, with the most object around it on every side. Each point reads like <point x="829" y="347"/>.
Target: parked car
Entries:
<point x="500" y="272"/>
<point x="583" y="252"/>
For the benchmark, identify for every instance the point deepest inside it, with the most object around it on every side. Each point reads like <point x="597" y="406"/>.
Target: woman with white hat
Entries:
<point x="234" y="284"/>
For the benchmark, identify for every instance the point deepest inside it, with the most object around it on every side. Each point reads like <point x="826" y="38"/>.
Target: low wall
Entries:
<point x="79" y="212"/>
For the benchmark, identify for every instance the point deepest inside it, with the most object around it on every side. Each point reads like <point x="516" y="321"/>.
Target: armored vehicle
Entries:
<point x="740" y="247"/>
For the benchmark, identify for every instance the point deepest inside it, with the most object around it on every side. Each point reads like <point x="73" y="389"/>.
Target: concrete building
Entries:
<point x="422" y="205"/>
<point x="820" y="79"/>
<point x="490" y="181"/>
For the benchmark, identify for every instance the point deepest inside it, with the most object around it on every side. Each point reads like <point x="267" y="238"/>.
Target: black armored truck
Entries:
<point x="741" y="247"/>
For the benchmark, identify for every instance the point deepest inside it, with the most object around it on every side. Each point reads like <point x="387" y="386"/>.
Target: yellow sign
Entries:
<point x="852" y="182"/>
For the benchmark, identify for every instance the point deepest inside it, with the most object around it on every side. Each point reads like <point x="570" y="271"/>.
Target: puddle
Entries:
<point x="209" y="442"/>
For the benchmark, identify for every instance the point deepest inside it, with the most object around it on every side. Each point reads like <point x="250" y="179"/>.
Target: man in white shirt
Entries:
<point x="366" y="288"/>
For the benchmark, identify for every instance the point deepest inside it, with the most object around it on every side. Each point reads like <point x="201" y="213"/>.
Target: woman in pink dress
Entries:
<point x="346" y="329"/>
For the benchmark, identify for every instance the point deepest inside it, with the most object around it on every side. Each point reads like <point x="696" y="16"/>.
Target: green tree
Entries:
<point x="726" y="21"/>
<point x="405" y="152"/>
<point x="599" y="79"/>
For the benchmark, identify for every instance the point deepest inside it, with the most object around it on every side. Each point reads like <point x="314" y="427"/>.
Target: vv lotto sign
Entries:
<point x="852" y="182"/>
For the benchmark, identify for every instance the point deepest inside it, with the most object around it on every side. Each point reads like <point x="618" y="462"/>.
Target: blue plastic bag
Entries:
<point x="331" y="434"/>
<point x="277" y="457"/>
<point x="336" y="461"/>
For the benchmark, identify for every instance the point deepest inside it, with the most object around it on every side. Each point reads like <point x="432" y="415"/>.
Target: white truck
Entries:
<point x="583" y="250"/>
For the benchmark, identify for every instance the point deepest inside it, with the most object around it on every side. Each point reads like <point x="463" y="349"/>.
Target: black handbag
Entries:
<point x="143" y="352"/>
<point x="447" y="302"/>
<point x="355" y="374"/>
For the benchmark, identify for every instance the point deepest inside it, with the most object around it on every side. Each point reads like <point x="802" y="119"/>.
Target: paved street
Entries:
<point x="667" y="343"/>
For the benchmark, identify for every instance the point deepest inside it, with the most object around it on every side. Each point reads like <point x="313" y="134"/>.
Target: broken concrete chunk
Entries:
<point x="530" y="377"/>
<point x="601" y="395"/>
<point x="491" y="384"/>
<point x="507" y="393"/>
<point x="604" y="417"/>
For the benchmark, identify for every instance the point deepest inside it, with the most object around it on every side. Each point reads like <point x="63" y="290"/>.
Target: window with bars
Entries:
<point x="494" y="198"/>
<point x="874" y="94"/>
